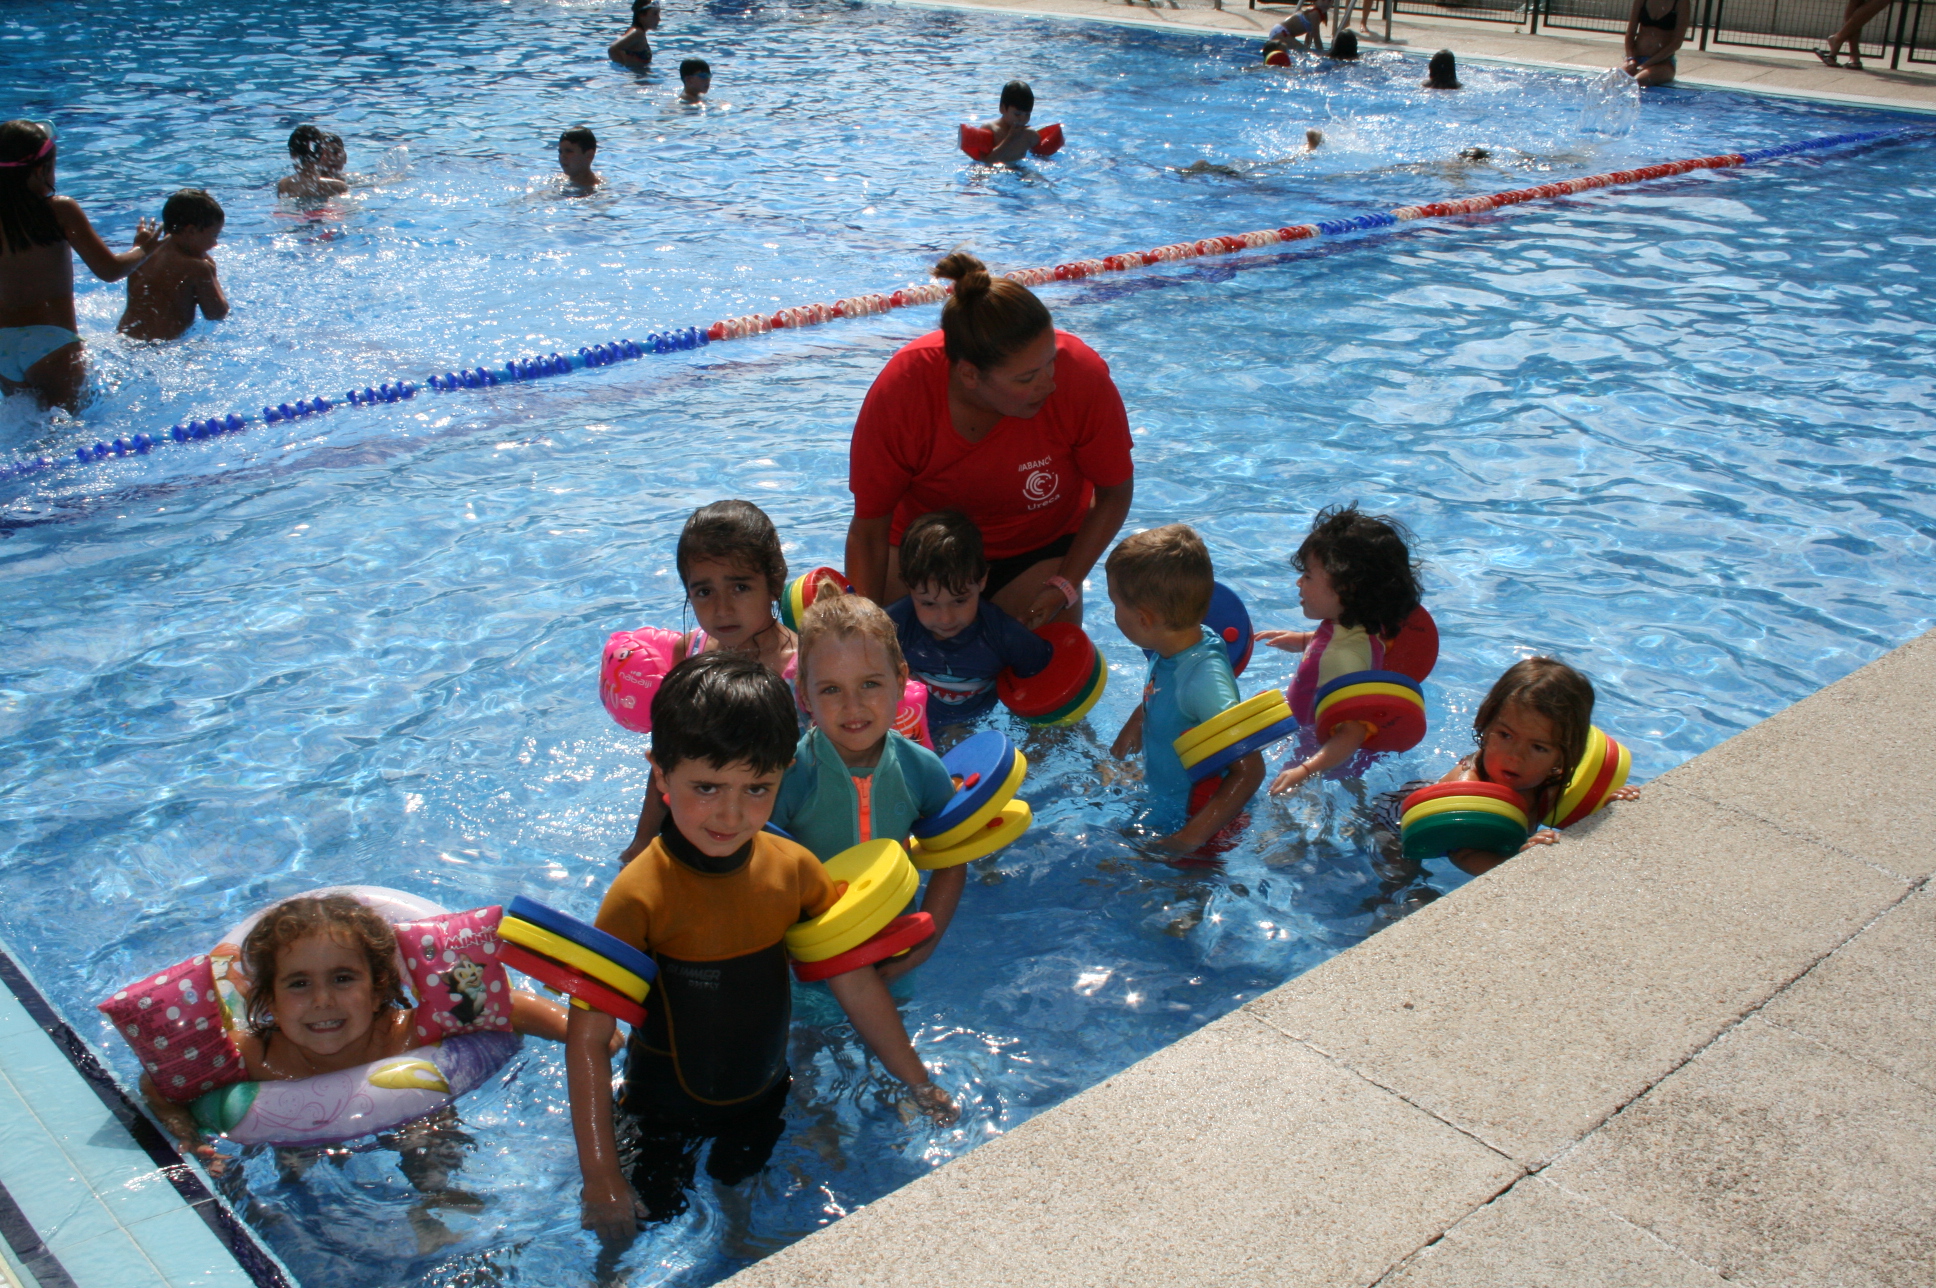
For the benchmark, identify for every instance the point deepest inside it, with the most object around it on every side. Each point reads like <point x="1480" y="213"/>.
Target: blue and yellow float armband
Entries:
<point x="594" y="969"/>
<point x="1227" y="737"/>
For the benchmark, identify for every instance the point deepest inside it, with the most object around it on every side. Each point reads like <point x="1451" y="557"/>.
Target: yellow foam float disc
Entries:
<point x="990" y="808"/>
<point x="999" y="831"/>
<point x="1269" y="700"/>
<point x="559" y="949"/>
<point x="1583" y="774"/>
<point x="1371" y="688"/>
<point x="1235" y="734"/>
<point x="880" y="881"/>
<point x="1463" y="805"/>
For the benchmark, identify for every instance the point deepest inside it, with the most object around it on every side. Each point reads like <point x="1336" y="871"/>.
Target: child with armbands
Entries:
<point x="710" y="900"/>
<point x="953" y="640"/>
<point x="1357" y="576"/>
<point x="1008" y="138"/>
<point x="730" y="562"/>
<point x="855" y="779"/>
<point x="1160" y="582"/>
<point x="1534" y="730"/>
<point x="322" y="990"/>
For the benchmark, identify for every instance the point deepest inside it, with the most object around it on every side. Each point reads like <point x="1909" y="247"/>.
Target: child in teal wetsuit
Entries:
<point x="854" y="779"/>
<point x="1160" y="582"/>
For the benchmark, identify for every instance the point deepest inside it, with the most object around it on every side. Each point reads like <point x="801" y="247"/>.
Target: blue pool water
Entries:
<point x="1678" y="434"/>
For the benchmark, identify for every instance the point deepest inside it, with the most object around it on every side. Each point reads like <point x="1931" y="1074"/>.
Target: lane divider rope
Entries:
<point x="736" y="328"/>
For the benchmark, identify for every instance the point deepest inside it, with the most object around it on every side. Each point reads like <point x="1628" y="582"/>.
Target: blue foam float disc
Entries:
<point x="983" y="764"/>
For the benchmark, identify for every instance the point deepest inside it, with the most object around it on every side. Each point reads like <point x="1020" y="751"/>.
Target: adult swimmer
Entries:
<point x="1008" y="420"/>
<point x="40" y="341"/>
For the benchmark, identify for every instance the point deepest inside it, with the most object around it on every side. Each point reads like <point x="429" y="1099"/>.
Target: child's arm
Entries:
<point x="541" y="1018"/>
<point x="940" y="902"/>
<point x="1289" y="641"/>
<point x="608" y="1207"/>
<point x="106" y="264"/>
<point x="1130" y="740"/>
<point x="1343" y="743"/>
<point x="1239" y="784"/>
<point x="652" y="812"/>
<point x="208" y="294"/>
<point x="863" y="995"/>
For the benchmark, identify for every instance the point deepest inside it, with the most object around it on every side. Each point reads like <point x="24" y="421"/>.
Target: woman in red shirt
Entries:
<point x="1003" y="417"/>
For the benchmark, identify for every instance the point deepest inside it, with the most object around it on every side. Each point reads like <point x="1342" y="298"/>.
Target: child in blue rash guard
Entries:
<point x="854" y="779"/>
<point x="953" y="640"/>
<point x="1160" y="583"/>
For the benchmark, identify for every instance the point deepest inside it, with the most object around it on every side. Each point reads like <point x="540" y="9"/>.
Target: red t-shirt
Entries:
<point x="1025" y="484"/>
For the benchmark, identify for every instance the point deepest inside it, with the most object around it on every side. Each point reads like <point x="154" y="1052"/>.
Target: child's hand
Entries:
<point x="147" y="234"/>
<point x="1626" y="794"/>
<point x="936" y="1104"/>
<point x="610" y="1210"/>
<point x="1545" y="836"/>
<point x="1289" y="641"/>
<point x="1294" y="776"/>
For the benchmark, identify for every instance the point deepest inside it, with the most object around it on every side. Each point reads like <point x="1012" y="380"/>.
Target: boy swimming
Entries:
<point x="40" y="344"/>
<point x="309" y="148"/>
<point x="695" y="78"/>
<point x="577" y="149"/>
<point x="165" y="291"/>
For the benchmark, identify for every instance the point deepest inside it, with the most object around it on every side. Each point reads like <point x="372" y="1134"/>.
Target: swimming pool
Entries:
<point x="1679" y="434"/>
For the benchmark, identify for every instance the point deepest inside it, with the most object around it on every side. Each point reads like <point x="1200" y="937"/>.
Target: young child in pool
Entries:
<point x="855" y="779"/>
<point x="1160" y="582"/>
<point x="165" y="291"/>
<point x="1357" y="576"/>
<point x="577" y="149"/>
<point x="1532" y="731"/>
<point x="710" y="900"/>
<point x="307" y="147"/>
<point x="40" y="233"/>
<point x="633" y="49"/>
<point x="1303" y="26"/>
<point x="695" y="78"/>
<point x="1013" y="137"/>
<point x="955" y="641"/>
<point x="319" y="976"/>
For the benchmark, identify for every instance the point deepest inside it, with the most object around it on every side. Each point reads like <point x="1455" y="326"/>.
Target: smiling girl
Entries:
<point x="1532" y="731"/>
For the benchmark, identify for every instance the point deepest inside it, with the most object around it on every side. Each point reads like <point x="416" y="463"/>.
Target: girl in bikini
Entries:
<point x="40" y="342"/>
<point x="1654" y="36"/>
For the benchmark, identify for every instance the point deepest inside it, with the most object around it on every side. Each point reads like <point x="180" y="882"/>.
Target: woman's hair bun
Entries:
<point x="969" y="274"/>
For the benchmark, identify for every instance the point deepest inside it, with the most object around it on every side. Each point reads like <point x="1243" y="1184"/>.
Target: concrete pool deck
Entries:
<point x="1692" y="1043"/>
<point x="1768" y="71"/>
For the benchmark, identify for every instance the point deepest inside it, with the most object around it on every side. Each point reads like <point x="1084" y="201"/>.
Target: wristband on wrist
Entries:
<point x="1069" y="595"/>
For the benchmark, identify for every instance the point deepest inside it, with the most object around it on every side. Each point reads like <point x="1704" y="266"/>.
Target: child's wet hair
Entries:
<point x="986" y="318"/>
<point x="725" y="709"/>
<point x="1443" y="71"/>
<point x="26" y="217"/>
<point x="694" y="67"/>
<point x="1369" y="561"/>
<point x="738" y="534"/>
<point x="344" y="919"/>
<point x="943" y="549"/>
<point x="580" y="138"/>
<point x="1017" y="94"/>
<point x="191" y="208"/>
<point x="1546" y="687"/>
<point x="1166" y="572"/>
<point x="306" y="142"/>
<point x="844" y="617"/>
<point x="1344" y="46"/>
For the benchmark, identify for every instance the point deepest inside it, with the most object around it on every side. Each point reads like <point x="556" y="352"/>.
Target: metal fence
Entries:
<point x="1904" y="32"/>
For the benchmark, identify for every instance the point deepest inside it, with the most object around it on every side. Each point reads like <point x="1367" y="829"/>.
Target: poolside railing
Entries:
<point x="1904" y="32"/>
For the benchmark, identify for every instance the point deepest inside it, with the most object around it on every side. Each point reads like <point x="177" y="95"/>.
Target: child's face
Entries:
<point x="946" y="613"/>
<point x="1015" y="118"/>
<point x="334" y="157"/>
<point x="852" y="692"/>
<point x="1138" y="625"/>
<point x="573" y="159"/>
<point x="197" y="241"/>
<point x="717" y="807"/>
<point x="324" y="1000"/>
<point x="1520" y="749"/>
<point x="697" y="83"/>
<point x="732" y="604"/>
<point x="1315" y="594"/>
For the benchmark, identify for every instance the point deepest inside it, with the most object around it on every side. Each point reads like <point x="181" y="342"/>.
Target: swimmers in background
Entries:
<point x="1357" y="576"/>
<point x="632" y="49"/>
<point x="1442" y="72"/>
<point x="1345" y="47"/>
<point x="1532" y="730"/>
<point x="695" y="78"/>
<point x="40" y="343"/>
<point x="1303" y="26"/>
<point x="308" y="147"/>
<point x="1313" y="139"/>
<point x="1013" y="137"/>
<point x="577" y="148"/>
<point x="168" y="286"/>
